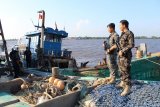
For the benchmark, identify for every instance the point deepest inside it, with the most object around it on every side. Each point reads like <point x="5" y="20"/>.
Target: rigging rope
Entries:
<point x="153" y="62"/>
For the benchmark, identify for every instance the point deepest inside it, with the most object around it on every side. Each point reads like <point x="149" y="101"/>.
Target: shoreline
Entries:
<point x="84" y="38"/>
<point x="98" y="38"/>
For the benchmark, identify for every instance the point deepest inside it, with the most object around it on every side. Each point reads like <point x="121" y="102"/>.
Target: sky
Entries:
<point x="80" y="17"/>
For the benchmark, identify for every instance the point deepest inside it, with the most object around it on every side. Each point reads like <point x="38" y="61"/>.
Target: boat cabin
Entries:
<point x="52" y="41"/>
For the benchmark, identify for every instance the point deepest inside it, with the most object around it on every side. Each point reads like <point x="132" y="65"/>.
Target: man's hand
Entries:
<point x="120" y="53"/>
<point x="103" y="45"/>
<point x="113" y="48"/>
<point x="108" y="51"/>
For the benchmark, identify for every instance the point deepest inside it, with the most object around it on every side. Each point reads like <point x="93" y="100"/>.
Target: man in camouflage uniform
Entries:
<point x="111" y="52"/>
<point x="126" y="43"/>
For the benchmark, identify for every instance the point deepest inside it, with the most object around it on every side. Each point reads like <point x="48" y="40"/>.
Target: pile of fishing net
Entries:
<point x="141" y="95"/>
<point x="36" y="92"/>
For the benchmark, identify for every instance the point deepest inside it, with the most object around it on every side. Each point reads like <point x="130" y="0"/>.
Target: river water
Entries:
<point x="92" y="50"/>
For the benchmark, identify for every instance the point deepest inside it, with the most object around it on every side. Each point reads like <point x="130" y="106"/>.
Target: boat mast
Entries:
<point x="42" y="28"/>
<point x="40" y="49"/>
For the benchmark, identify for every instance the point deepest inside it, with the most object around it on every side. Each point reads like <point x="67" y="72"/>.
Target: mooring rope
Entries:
<point x="153" y="62"/>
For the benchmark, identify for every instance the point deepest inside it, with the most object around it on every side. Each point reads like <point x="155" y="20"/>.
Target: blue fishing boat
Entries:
<point x="45" y="44"/>
<point x="52" y="41"/>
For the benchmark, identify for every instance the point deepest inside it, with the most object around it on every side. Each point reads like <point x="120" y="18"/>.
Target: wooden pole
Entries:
<point x="5" y="46"/>
<point x="42" y="29"/>
<point x="55" y="72"/>
<point x="40" y="52"/>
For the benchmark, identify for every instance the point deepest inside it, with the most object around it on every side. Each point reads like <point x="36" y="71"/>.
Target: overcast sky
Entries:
<point x="81" y="17"/>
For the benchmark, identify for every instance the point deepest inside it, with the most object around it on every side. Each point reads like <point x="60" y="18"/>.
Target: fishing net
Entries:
<point x="141" y="69"/>
<point x="40" y="91"/>
<point x="146" y="69"/>
<point x="36" y="90"/>
<point x="142" y="95"/>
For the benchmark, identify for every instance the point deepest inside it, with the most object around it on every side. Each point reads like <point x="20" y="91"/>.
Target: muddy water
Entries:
<point x="92" y="50"/>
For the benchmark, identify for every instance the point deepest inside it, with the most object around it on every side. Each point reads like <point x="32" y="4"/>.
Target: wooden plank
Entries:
<point x="67" y="100"/>
<point x="7" y="99"/>
<point x="19" y="104"/>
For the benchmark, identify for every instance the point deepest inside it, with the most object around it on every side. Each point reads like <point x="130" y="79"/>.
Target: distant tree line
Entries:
<point x="10" y="39"/>
<point x="145" y="37"/>
<point x="136" y="37"/>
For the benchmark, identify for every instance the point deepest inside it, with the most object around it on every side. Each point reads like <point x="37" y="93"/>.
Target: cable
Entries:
<point x="153" y="62"/>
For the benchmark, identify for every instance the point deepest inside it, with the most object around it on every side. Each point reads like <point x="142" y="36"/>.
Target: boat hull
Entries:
<point x="9" y="88"/>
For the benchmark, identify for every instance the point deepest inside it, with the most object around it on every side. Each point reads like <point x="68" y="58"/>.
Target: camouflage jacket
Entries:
<point x="112" y="39"/>
<point x="126" y="42"/>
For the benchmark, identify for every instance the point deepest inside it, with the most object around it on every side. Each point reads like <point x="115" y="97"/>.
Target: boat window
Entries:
<point x="34" y="42"/>
<point x="57" y="39"/>
<point x="52" y="38"/>
<point x="23" y="40"/>
<point x="49" y="38"/>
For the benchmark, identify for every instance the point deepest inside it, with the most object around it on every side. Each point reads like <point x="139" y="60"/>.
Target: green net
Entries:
<point x="143" y="69"/>
<point x="146" y="69"/>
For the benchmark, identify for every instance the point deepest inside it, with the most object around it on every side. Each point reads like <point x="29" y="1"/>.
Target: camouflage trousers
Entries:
<point x="112" y="64"/>
<point x="124" y="65"/>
